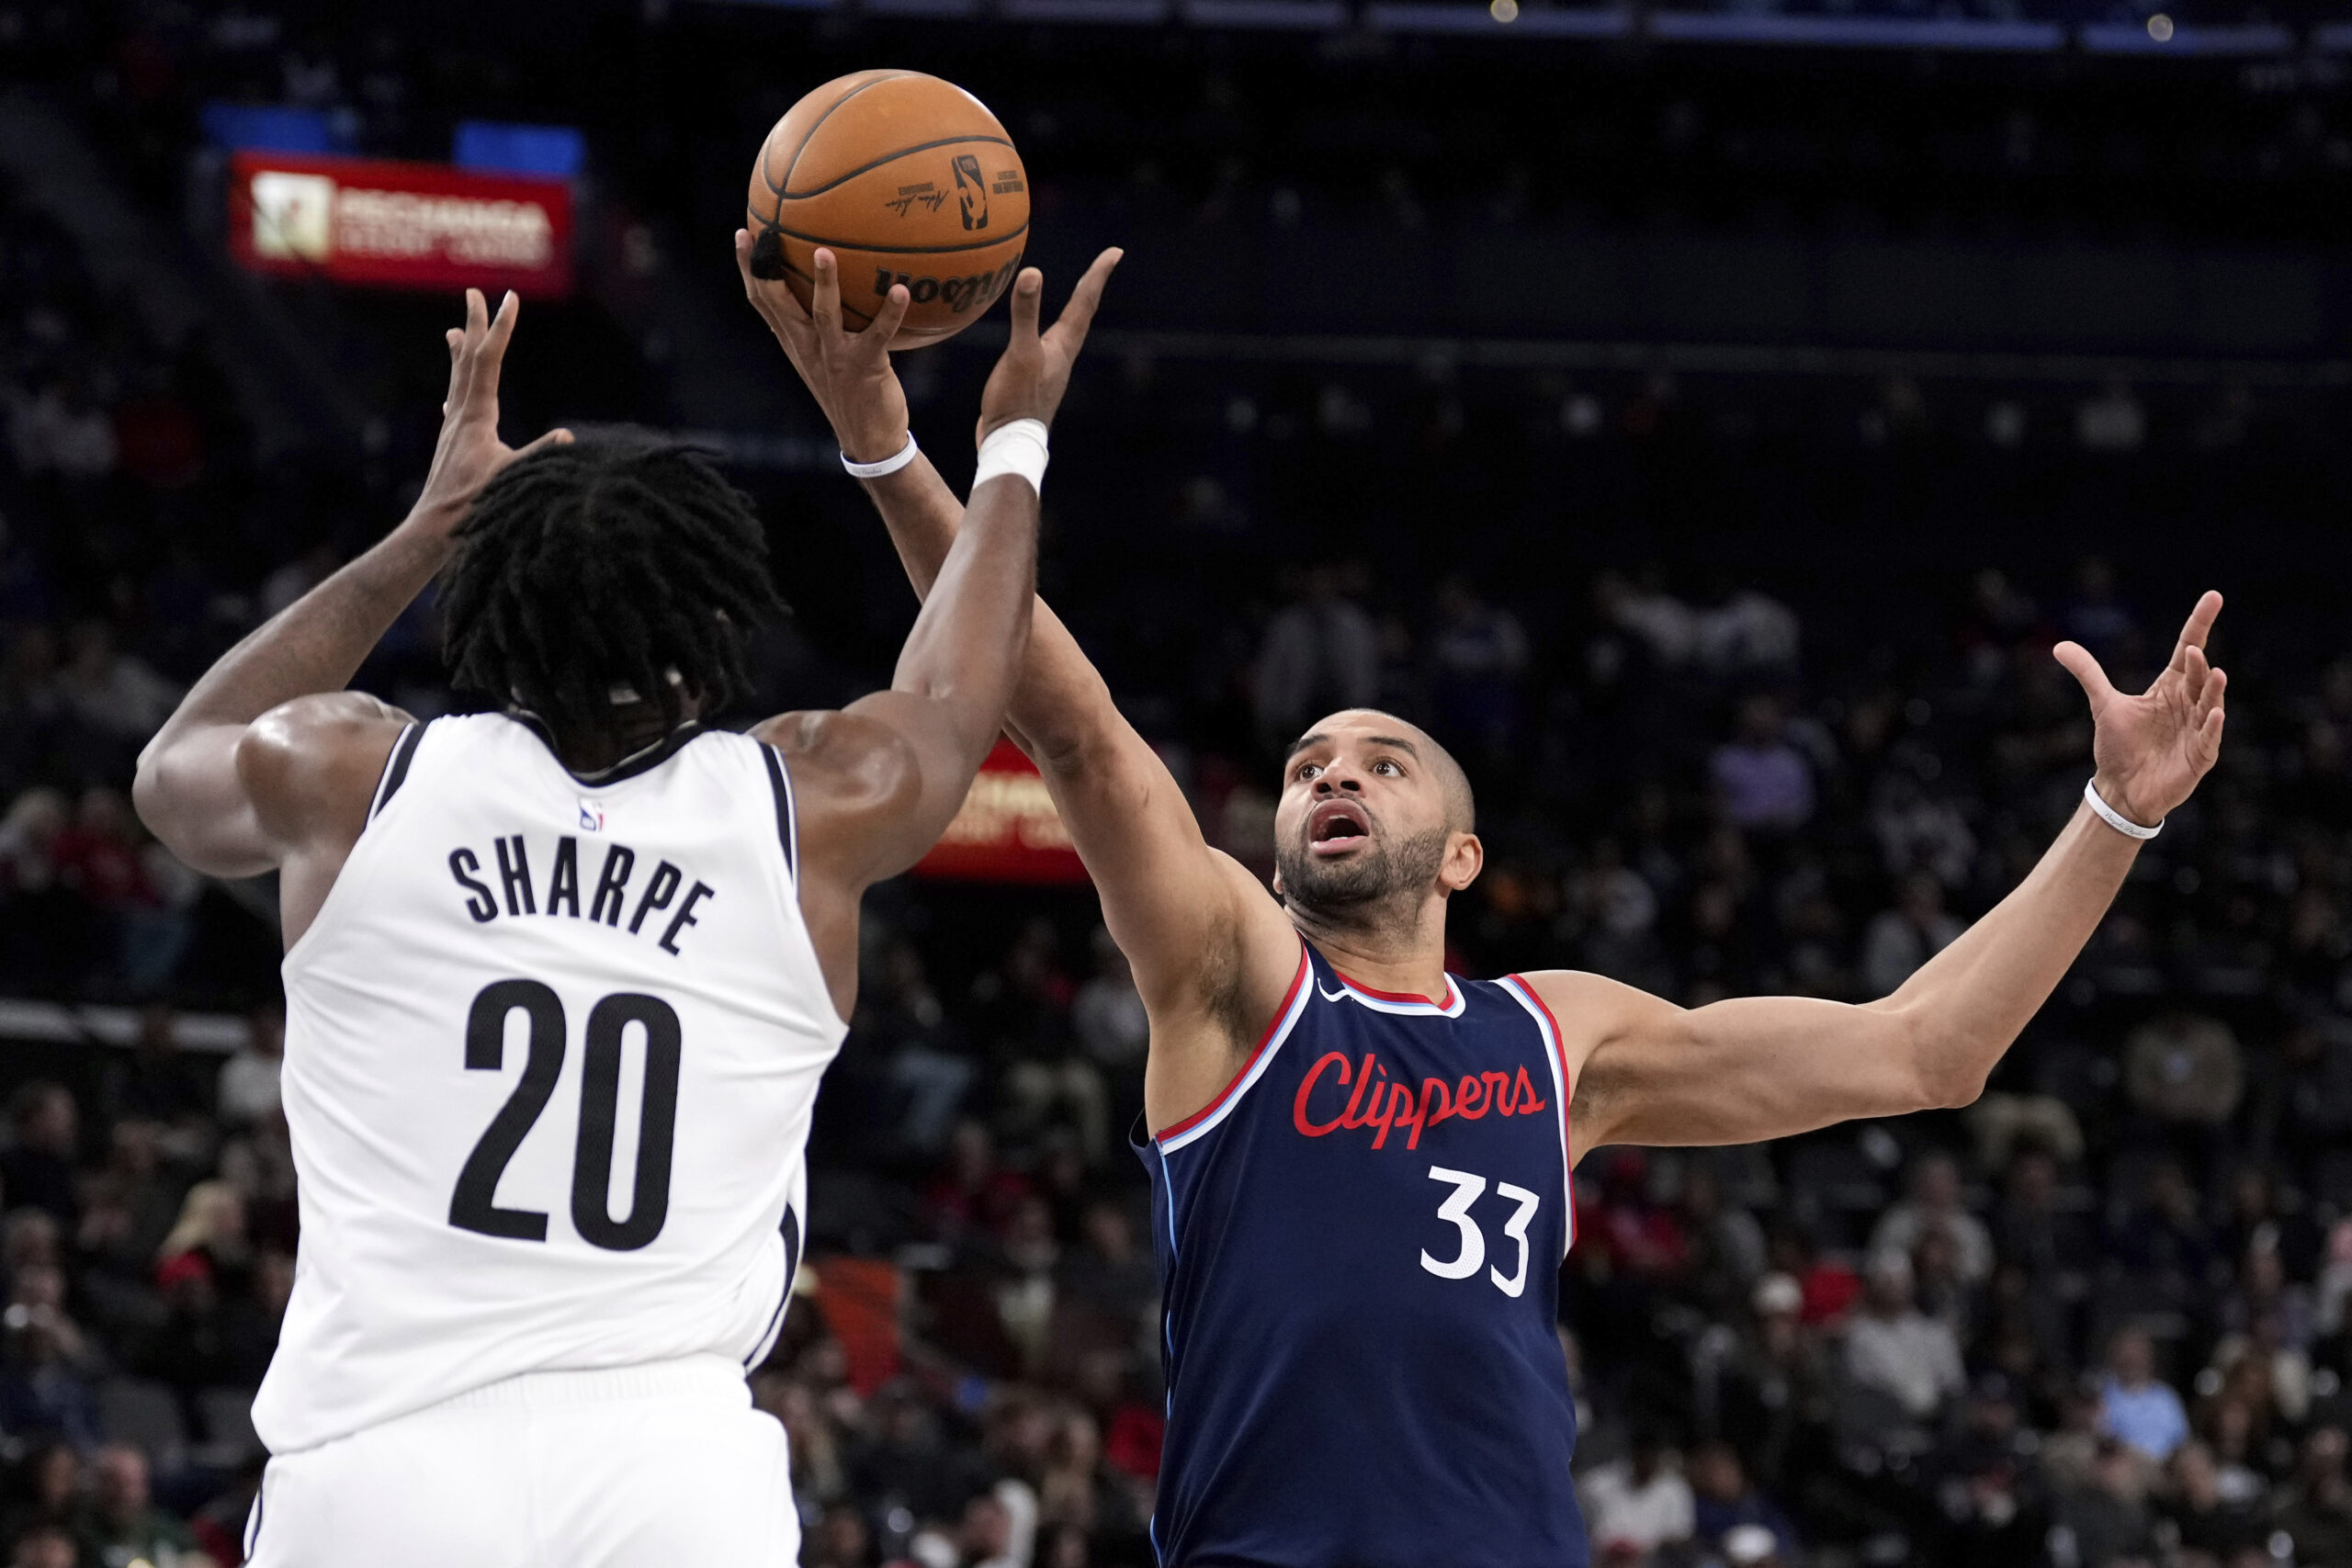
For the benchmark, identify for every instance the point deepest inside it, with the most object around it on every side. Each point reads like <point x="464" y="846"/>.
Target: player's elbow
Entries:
<point x="1946" y="1073"/>
<point x="1952" y="1091"/>
<point x="150" y="792"/>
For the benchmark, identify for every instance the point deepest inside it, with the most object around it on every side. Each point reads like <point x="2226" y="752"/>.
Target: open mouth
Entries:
<point x="1336" y="826"/>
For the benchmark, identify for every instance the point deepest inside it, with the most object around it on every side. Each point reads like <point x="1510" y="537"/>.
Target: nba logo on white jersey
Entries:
<point x="591" y="817"/>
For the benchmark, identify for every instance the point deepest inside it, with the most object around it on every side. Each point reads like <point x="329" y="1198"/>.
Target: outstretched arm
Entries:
<point x="1760" y="1067"/>
<point x="1210" y="951"/>
<point x="268" y="754"/>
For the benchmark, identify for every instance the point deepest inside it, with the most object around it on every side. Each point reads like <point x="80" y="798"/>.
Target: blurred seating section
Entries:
<point x="1598" y="405"/>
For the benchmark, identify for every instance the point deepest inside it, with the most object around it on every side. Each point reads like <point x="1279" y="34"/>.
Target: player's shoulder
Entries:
<point x="1585" y="1003"/>
<point x="848" y="759"/>
<point x="320" y="730"/>
<point x="323" y="752"/>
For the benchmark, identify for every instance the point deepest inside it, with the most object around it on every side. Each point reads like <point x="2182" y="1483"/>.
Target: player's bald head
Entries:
<point x="1379" y="727"/>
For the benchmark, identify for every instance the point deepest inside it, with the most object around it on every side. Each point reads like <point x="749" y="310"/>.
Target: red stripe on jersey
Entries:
<point x="1559" y="1044"/>
<point x="1398" y="996"/>
<point x="1282" y="1013"/>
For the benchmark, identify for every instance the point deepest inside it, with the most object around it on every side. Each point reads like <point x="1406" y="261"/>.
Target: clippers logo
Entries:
<point x="591" y="817"/>
<point x="1387" y="1105"/>
<point x="972" y="190"/>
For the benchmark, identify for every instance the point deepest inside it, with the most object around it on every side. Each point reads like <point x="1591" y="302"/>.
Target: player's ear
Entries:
<point x="1465" y="858"/>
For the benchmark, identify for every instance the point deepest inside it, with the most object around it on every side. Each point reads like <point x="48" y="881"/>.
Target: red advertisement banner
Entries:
<point x="395" y="225"/>
<point x="1008" y="829"/>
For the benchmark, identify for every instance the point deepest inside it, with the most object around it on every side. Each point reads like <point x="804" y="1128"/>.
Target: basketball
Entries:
<point x="906" y="179"/>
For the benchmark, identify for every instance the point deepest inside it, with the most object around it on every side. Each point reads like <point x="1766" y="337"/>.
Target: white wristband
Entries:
<point x="1018" y="447"/>
<point x="887" y="466"/>
<point x="2114" y="818"/>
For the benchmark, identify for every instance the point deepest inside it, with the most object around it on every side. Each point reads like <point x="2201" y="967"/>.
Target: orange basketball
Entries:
<point x="906" y="179"/>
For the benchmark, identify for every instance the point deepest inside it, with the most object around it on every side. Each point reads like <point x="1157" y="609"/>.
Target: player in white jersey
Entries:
<point x="561" y="980"/>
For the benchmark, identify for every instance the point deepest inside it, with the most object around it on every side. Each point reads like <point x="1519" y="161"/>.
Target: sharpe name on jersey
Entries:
<point x="651" y="904"/>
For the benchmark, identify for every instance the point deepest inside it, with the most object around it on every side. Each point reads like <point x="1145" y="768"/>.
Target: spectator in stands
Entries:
<point x="2033" y="1229"/>
<point x="1723" y="1499"/>
<point x="2134" y="1404"/>
<point x="1635" y="1505"/>
<point x="1777" y="1393"/>
<point x="157" y="1082"/>
<point x="1763" y="782"/>
<point x="58" y="431"/>
<point x="1112" y="1028"/>
<point x="2163" y="1245"/>
<point x="202" y="1267"/>
<point x="2184" y="1069"/>
<point x="110" y="690"/>
<point x="37" y="1167"/>
<point x="1936" y="1204"/>
<point x="45" y="1385"/>
<point x="928" y="1066"/>
<point x="973" y="1196"/>
<point x="841" y="1538"/>
<point x="2315" y="1509"/>
<point x="1894" y="1347"/>
<point x="2206" y="1522"/>
<point x="44" y="1546"/>
<point x="1477" y="652"/>
<point x="1025" y="1004"/>
<point x="1900" y="939"/>
<point x="1725" y="1245"/>
<point x="124" y="1525"/>
<point x="2107" y="1524"/>
<point x="248" y="1089"/>
<point x="51" y="1486"/>
<point x="1321" y="652"/>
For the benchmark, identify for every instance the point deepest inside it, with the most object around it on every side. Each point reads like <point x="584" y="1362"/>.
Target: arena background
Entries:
<point x="1704" y="419"/>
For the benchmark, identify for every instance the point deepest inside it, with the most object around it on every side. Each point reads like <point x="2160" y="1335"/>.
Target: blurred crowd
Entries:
<point x="2095" y="1320"/>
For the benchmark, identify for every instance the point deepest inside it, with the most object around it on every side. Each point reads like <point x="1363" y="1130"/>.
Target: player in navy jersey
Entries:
<point x="1360" y="1164"/>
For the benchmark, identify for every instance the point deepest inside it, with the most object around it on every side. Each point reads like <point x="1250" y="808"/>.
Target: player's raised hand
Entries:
<point x="1034" y="371"/>
<point x="849" y="372"/>
<point x="2151" y="749"/>
<point x="469" y="451"/>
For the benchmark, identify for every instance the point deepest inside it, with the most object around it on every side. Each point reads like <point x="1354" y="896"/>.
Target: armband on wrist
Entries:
<point x="2114" y="818"/>
<point x="890" y="464"/>
<point x="1017" y="446"/>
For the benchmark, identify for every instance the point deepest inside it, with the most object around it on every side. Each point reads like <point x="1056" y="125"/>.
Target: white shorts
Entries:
<point x="658" y="1466"/>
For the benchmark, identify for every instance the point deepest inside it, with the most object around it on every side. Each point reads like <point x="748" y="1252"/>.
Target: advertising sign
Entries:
<point x="1008" y="831"/>
<point x="397" y="225"/>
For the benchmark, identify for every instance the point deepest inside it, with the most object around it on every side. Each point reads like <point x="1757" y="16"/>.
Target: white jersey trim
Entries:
<point x="1524" y="995"/>
<point x="1205" y="1120"/>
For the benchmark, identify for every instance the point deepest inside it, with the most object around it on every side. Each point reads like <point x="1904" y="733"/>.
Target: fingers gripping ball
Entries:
<point x="906" y="179"/>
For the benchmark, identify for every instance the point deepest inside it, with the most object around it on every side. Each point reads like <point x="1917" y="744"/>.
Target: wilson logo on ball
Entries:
<point x="959" y="294"/>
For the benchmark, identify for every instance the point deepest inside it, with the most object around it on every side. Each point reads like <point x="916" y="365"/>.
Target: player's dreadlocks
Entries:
<point x="606" y="562"/>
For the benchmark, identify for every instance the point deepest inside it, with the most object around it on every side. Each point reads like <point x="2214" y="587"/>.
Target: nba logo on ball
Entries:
<point x="591" y="817"/>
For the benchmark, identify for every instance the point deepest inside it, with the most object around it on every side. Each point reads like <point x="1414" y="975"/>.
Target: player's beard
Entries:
<point x="1352" y="891"/>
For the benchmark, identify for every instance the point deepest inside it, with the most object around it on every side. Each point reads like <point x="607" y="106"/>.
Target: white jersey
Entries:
<point x="551" y="1050"/>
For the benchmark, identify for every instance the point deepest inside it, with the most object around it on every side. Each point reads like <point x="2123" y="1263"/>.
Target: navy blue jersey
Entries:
<point x="1360" y="1244"/>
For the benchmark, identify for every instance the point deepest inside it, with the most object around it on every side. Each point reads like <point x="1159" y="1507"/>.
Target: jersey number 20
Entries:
<point x="473" y="1205"/>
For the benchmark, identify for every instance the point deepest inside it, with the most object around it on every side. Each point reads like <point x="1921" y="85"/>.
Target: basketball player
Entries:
<point x="560" y="982"/>
<point x="1361" y="1163"/>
